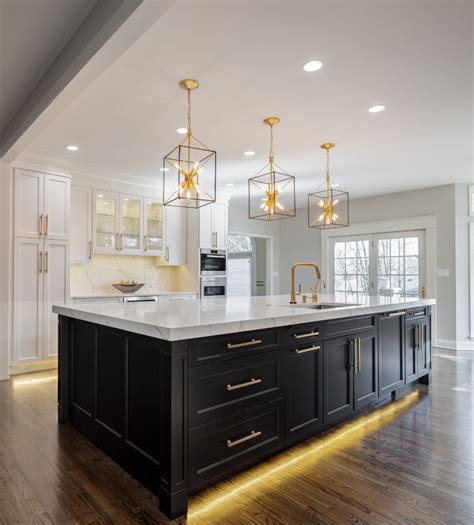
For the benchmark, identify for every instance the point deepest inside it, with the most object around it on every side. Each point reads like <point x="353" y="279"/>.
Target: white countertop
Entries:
<point x="180" y="320"/>
<point x="141" y="293"/>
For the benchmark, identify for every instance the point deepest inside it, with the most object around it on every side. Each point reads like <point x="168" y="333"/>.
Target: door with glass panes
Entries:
<point x="381" y="264"/>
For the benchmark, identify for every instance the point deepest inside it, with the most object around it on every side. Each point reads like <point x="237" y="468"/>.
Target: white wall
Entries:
<point x="240" y="223"/>
<point x="5" y="261"/>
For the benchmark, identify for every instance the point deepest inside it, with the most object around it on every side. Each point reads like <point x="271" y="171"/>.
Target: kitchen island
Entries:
<point x="183" y="395"/>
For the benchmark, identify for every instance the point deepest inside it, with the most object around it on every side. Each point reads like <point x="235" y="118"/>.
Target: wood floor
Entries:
<point x="409" y="462"/>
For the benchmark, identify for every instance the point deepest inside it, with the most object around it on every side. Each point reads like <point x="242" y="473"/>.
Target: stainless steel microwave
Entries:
<point x="213" y="287"/>
<point x="213" y="263"/>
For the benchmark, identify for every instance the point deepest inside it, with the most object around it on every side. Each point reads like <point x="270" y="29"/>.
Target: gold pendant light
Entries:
<point x="272" y="190"/>
<point x="189" y="170"/>
<point x="328" y="208"/>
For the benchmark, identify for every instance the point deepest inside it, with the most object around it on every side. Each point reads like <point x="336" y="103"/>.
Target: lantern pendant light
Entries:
<point x="189" y="170"/>
<point x="272" y="190"/>
<point x="328" y="208"/>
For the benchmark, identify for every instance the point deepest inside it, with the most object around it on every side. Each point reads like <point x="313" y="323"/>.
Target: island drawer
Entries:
<point x="416" y="313"/>
<point x="349" y="325"/>
<point x="219" y="348"/>
<point x="303" y="333"/>
<point x="225" y="388"/>
<point x="233" y="442"/>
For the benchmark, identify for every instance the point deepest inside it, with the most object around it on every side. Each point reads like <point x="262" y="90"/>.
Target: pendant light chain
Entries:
<point x="189" y="133"/>
<point x="328" y="180"/>
<point x="271" y="156"/>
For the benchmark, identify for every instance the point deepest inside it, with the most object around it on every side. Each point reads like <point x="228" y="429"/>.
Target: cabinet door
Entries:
<point x="131" y="224"/>
<point x="219" y="223"/>
<point x="304" y="402"/>
<point x="391" y="352"/>
<point x="28" y="301"/>
<point x="412" y="333"/>
<point x="105" y="222"/>
<point x="56" y="291"/>
<point x="365" y="370"/>
<point x="206" y="232"/>
<point x="175" y="226"/>
<point x="338" y="379"/>
<point x="153" y="213"/>
<point x="29" y="203"/>
<point x="424" y="348"/>
<point x="57" y="201"/>
<point x="81" y="224"/>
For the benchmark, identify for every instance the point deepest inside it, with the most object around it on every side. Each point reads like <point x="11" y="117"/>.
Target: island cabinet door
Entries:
<point x="305" y="390"/>
<point x="412" y="333"/>
<point x="365" y="369"/>
<point x="338" y="379"/>
<point x="424" y="348"/>
<point x="391" y="341"/>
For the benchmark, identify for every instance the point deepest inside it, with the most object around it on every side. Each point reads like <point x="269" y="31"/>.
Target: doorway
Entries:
<point x="248" y="265"/>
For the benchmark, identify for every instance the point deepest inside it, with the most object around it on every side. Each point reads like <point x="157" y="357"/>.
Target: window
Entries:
<point x="382" y="264"/>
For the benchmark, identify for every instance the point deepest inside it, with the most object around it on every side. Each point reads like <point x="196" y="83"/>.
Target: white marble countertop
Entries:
<point x="141" y="293"/>
<point x="180" y="320"/>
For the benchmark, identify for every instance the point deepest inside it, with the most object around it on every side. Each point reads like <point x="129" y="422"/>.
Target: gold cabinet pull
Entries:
<point x="306" y="350"/>
<point x="40" y="227"/>
<point x="46" y="264"/>
<point x="231" y="346"/>
<point x="417" y="314"/>
<point x="40" y="262"/>
<point x="396" y="314"/>
<point x="250" y="436"/>
<point x="244" y="385"/>
<point x="46" y="225"/>
<point x="309" y="334"/>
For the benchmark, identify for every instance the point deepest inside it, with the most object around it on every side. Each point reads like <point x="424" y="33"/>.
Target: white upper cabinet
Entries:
<point x="41" y="205"/>
<point x="213" y="226"/>
<point x="81" y="224"/>
<point x="153" y="226"/>
<point x="175" y="245"/>
<point x="106" y="224"/>
<point x="131" y="224"/>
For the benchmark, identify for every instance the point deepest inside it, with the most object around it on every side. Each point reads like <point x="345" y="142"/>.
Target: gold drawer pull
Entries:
<point x="309" y="334"/>
<point x="418" y="313"/>
<point x="305" y="350"/>
<point x="252" y="435"/>
<point x="397" y="314"/>
<point x="243" y="385"/>
<point x="230" y="346"/>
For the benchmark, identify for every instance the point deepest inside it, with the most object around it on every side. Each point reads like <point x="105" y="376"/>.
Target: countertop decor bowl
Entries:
<point x="128" y="288"/>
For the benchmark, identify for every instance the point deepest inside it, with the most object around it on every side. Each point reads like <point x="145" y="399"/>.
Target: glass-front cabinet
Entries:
<point x="131" y="224"/>
<point x="153" y="238"/>
<point x="105" y="222"/>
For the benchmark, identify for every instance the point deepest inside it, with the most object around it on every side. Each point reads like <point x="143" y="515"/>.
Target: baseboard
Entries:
<point x="454" y="345"/>
<point x="33" y="367"/>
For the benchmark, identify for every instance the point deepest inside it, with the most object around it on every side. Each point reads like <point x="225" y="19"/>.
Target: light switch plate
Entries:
<point x="442" y="272"/>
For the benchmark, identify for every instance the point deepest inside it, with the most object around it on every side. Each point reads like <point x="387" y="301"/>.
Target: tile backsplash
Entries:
<point x="96" y="277"/>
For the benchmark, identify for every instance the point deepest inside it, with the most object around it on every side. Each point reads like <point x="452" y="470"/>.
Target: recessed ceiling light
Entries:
<point x="313" y="65"/>
<point x="164" y="169"/>
<point x="71" y="147"/>
<point x="377" y="108"/>
<point x="229" y="184"/>
<point x="249" y="153"/>
<point x="182" y="131"/>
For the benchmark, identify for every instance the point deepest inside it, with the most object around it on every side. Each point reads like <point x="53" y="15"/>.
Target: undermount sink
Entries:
<point x="322" y="306"/>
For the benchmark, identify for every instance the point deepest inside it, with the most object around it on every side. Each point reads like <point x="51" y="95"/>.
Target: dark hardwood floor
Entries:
<point x="411" y="461"/>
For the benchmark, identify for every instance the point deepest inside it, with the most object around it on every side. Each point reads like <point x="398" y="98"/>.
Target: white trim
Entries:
<point x="471" y="278"/>
<point x="270" y="277"/>
<point x="454" y="345"/>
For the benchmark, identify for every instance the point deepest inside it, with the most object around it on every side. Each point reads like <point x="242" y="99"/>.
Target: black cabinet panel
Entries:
<point x="110" y="400"/>
<point x="412" y="335"/>
<point x="305" y="390"/>
<point x="210" y="349"/>
<point x="83" y="366"/>
<point x="227" y="387"/>
<point x="338" y="379"/>
<point x="143" y="396"/>
<point x="391" y="335"/>
<point x="223" y="445"/>
<point x="339" y="327"/>
<point x="366" y="368"/>
<point x="424" y="350"/>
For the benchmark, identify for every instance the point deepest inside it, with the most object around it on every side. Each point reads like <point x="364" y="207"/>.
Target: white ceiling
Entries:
<point x="414" y="57"/>
<point x="33" y="32"/>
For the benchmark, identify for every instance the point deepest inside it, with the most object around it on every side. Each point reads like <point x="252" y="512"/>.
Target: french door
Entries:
<point x="380" y="264"/>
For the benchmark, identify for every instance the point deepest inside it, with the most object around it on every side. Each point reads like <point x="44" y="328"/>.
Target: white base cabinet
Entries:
<point x="41" y="279"/>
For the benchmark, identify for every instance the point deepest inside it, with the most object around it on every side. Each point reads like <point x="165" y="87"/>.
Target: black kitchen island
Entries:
<point x="180" y="410"/>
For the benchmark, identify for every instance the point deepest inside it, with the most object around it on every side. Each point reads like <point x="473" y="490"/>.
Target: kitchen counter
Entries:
<point x="116" y="293"/>
<point x="208" y="317"/>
